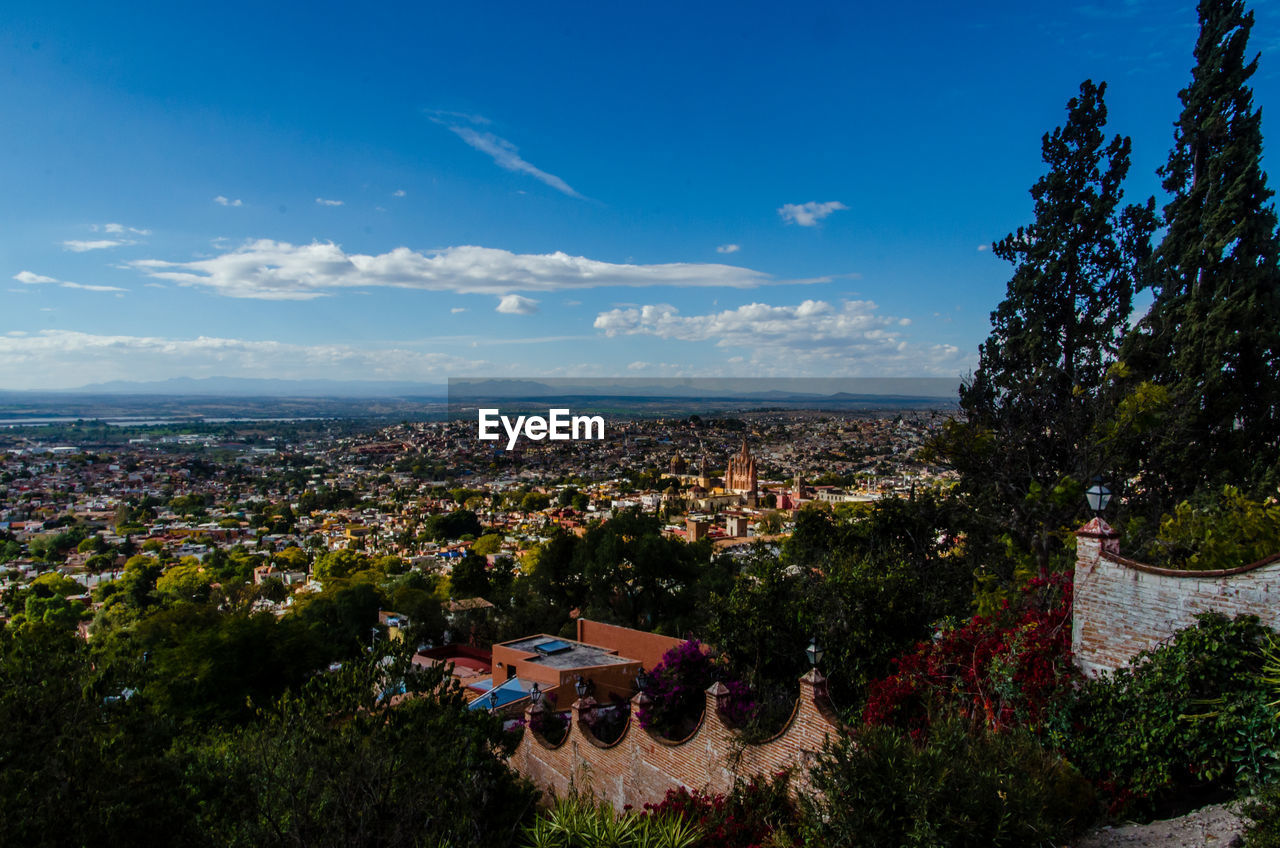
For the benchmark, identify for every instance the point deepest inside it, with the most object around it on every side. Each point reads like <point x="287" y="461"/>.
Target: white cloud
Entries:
<point x="981" y="248"/>
<point x="122" y="232"/>
<point x="398" y="193"/>
<point x="514" y="304"/>
<point x="97" y="244"/>
<point x="271" y="270"/>
<point x="66" y="359"/>
<point x="119" y="230"/>
<point x="809" y="214"/>
<point x="224" y="201"/>
<point x="728" y="248"/>
<point x="814" y="335"/>
<point x="326" y="202"/>
<point x="31" y="279"/>
<point x="504" y="153"/>
<point x="457" y="309"/>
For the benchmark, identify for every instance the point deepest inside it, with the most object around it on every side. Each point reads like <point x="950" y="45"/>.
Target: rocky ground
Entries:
<point x="1218" y="826"/>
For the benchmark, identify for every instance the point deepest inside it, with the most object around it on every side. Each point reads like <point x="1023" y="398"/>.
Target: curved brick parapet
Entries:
<point x="1122" y="607"/>
<point x="640" y="767"/>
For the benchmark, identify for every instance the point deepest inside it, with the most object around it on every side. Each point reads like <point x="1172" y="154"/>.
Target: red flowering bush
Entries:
<point x="1012" y="669"/>
<point x="747" y="817"/>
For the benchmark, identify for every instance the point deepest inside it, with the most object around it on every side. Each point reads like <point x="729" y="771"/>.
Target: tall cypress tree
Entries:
<point x="1212" y="336"/>
<point x="1032" y="404"/>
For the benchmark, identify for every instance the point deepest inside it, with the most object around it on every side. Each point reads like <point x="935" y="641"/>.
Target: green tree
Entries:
<point x="1211" y="334"/>
<point x="489" y="543"/>
<point x="534" y="501"/>
<point x="1030" y="408"/>
<point x="333" y="766"/>
<point x="339" y="565"/>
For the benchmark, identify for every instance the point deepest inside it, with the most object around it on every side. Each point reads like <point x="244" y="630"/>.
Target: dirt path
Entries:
<point x="1210" y="827"/>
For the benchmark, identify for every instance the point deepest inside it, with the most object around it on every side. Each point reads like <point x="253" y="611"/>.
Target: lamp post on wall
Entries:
<point x="814" y="652"/>
<point x="535" y="694"/>
<point x="643" y="681"/>
<point x="493" y="701"/>
<point x="1098" y="496"/>
<point x="582" y="686"/>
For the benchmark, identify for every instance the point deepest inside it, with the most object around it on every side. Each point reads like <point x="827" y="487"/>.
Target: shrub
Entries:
<point x="756" y="812"/>
<point x="578" y="821"/>
<point x="1225" y="531"/>
<point x="1010" y="670"/>
<point x="679" y="684"/>
<point x="1183" y="722"/>
<point x="962" y="785"/>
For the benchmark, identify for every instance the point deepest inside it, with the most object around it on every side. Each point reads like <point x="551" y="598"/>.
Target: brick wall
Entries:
<point x="640" y="766"/>
<point x="1122" y="607"/>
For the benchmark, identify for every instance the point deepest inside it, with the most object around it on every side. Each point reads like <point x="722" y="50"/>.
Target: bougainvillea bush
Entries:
<point x="755" y="813"/>
<point x="677" y="692"/>
<point x="1012" y="669"/>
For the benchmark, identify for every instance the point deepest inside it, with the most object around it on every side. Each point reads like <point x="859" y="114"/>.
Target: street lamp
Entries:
<point x="1098" y="496"/>
<point x="814" y="652"/>
<point x="582" y="686"/>
<point x="535" y="694"/>
<point x="493" y="701"/>
<point x="643" y="680"/>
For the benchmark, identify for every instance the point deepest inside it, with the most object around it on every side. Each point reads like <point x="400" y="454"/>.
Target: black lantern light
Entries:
<point x="581" y="686"/>
<point x="1098" y="496"/>
<point x="493" y="700"/>
<point x="814" y="653"/>
<point x="535" y="694"/>
<point x="643" y="680"/>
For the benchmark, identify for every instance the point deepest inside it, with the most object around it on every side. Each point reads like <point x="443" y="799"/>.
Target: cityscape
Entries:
<point x="714" y="426"/>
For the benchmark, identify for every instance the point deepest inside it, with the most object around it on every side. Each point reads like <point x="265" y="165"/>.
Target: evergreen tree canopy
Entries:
<point x="1032" y="404"/>
<point x="1212" y="336"/>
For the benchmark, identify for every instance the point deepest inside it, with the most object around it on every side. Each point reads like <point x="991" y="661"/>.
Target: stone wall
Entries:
<point x="1122" y="607"/>
<point x="640" y="766"/>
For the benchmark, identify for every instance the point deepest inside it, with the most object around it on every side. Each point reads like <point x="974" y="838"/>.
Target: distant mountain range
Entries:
<point x="789" y="390"/>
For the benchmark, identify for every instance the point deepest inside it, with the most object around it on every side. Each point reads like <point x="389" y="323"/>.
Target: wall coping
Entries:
<point x="1116" y="559"/>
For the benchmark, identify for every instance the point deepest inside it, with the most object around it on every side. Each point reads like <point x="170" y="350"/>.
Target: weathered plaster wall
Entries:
<point x="1123" y="607"/>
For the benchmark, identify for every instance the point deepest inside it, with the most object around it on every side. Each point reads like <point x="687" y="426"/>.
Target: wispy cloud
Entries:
<point x="226" y="201"/>
<point x="31" y="279"/>
<point x="119" y="230"/>
<point x="271" y="270"/>
<point x="809" y="214"/>
<point x="728" y="248"/>
<point x="66" y="359"/>
<point x="326" y="202"/>
<point x="398" y="193"/>
<point x="95" y="244"/>
<point x="504" y="153"/>
<point x="514" y="304"/>
<point x="122" y="236"/>
<point x="457" y="310"/>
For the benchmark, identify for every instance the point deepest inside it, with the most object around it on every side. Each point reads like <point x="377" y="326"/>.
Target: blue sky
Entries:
<point x="414" y="191"/>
